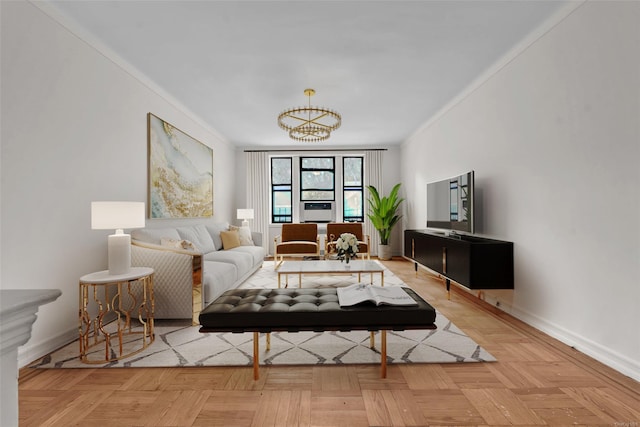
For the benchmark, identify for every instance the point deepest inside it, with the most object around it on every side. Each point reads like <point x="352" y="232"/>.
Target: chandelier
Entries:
<point x="309" y="124"/>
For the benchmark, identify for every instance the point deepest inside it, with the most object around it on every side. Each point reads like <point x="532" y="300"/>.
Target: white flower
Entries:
<point x="347" y="245"/>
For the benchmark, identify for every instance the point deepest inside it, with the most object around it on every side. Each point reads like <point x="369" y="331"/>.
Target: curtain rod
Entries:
<point x="326" y="149"/>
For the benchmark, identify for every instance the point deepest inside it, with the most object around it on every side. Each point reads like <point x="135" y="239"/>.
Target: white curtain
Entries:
<point x="258" y="192"/>
<point x="372" y="176"/>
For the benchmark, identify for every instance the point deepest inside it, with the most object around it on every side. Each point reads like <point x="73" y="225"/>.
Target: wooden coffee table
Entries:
<point x="329" y="267"/>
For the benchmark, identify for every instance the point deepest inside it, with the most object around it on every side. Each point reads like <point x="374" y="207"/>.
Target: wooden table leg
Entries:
<point x="256" y="361"/>
<point x="383" y="354"/>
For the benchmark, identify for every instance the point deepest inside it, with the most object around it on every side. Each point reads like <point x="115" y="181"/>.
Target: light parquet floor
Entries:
<point x="536" y="381"/>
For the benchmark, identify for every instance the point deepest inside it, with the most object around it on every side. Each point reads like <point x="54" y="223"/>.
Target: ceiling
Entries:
<point x="385" y="66"/>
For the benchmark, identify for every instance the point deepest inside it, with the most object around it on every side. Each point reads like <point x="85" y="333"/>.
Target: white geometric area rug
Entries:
<point x="177" y="344"/>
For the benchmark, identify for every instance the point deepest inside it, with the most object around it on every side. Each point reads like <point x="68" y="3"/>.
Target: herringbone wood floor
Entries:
<point x="536" y="381"/>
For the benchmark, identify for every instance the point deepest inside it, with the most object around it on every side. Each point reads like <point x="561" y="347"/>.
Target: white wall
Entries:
<point x="553" y="137"/>
<point x="73" y="130"/>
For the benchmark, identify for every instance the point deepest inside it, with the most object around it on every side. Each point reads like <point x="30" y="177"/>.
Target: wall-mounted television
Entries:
<point x="450" y="203"/>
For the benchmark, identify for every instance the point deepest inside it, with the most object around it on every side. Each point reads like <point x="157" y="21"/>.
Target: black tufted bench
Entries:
<point x="313" y="309"/>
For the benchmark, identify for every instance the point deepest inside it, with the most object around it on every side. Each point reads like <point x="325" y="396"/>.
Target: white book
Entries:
<point x="379" y="295"/>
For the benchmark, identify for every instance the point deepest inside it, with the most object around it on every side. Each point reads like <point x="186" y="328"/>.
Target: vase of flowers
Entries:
<point x="347" y="247"/>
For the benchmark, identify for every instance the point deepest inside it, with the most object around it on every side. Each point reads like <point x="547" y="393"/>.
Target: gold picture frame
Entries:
<point x="180" y="173"/>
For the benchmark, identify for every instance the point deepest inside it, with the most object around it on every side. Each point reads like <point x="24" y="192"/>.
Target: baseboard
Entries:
<point x="27" y="354"/>
<point x="614" y="360"/>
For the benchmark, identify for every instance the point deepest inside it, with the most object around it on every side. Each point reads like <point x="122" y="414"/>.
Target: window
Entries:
<point x="317" y="178"/>
<point x="281" y="190"/>
<point x="296" y="180"/>
<point x="352" y="189"/>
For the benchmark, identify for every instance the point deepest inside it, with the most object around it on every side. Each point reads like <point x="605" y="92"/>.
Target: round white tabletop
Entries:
<point x="104" y="276"/>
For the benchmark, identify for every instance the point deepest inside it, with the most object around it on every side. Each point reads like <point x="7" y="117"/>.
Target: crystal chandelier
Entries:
<point x="309" y="124"/>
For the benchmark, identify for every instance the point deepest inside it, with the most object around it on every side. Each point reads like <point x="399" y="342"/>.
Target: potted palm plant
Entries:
<point x="383" y="213"/>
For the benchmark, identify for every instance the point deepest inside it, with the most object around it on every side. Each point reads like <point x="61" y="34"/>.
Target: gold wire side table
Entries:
<point x="115" y="315"/>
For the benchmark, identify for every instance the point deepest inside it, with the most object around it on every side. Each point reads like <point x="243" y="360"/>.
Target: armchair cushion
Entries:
<point x="299" y="247"/>
<point x="299" y="232"/>
<point x="335" y="229"/>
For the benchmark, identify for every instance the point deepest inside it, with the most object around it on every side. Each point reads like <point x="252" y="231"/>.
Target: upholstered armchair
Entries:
<point x="335" y="229"/>
<point x="296" y="240"/>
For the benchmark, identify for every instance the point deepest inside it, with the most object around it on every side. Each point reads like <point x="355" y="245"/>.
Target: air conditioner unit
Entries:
<point x="317" y="212"/>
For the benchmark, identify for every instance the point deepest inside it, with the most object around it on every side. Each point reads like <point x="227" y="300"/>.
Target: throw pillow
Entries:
<point x="245" y="235"/>
<point x="230" y="239"/>
<point x="178" y="244"/>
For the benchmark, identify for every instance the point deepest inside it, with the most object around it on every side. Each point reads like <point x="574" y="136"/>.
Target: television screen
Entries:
<point x="450" y="203"/>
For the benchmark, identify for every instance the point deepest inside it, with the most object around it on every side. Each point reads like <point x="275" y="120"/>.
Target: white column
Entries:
<point x="18" y="308"/>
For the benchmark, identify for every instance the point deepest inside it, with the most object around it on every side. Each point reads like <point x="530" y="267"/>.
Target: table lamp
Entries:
<point x="118" y="216"/>
<point x="244" y="215"/>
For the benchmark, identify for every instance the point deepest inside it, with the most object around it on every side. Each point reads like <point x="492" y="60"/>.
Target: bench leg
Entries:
<point x="256" y="353"/>
<point x="383" y="354"/>
<point x="372" y="340"/>
<point x="268" y="341"/>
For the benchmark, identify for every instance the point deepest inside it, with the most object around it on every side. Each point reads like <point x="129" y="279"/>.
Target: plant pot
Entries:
<point x="384" y="252"/>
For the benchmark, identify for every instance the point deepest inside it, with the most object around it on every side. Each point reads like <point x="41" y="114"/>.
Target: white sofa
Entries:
<point x="192" y="268"/>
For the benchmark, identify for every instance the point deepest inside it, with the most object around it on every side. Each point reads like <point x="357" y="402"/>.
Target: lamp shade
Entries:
<point x="245" y="214"/>
<point x="117" y="215"/>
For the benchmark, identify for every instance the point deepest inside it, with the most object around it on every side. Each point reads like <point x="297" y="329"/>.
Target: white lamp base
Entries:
<point x="119" y="253"/>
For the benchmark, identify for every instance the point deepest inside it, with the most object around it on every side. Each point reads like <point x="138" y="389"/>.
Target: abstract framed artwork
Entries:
<point x="180" y="173"/>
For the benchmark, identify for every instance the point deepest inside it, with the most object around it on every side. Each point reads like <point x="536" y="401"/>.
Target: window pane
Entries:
<point x="282" y="206"/>
<point x="321" y="180"/>
<point x="317" y="163"/>
<point x="317" y="195"/>
<point x="353" y="172"/>
<point x="281" y="171"/>
<point x="281" y="189"/>
<point x="353" y="204"/>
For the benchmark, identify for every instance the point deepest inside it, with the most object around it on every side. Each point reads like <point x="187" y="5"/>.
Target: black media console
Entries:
<point x="473" y="262"/>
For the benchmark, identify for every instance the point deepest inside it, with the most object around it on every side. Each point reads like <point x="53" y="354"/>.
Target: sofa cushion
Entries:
<point x="214" y="231"/>
<point x="218" y="278"/>
<point x="242" y="260"/>
<point x="199" y="236"/>
<point x="154" y="235"/>
<point x="230" y="239"/>
<point x="256" y="252"/>
<point x="245" y="235"/>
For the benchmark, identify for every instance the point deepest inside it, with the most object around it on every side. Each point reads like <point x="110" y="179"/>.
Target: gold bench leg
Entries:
<point x="256" y="352"/>
<point x="268" y="341"/>
<point x="383" y="354"/>
<point x="372" y="340"/>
